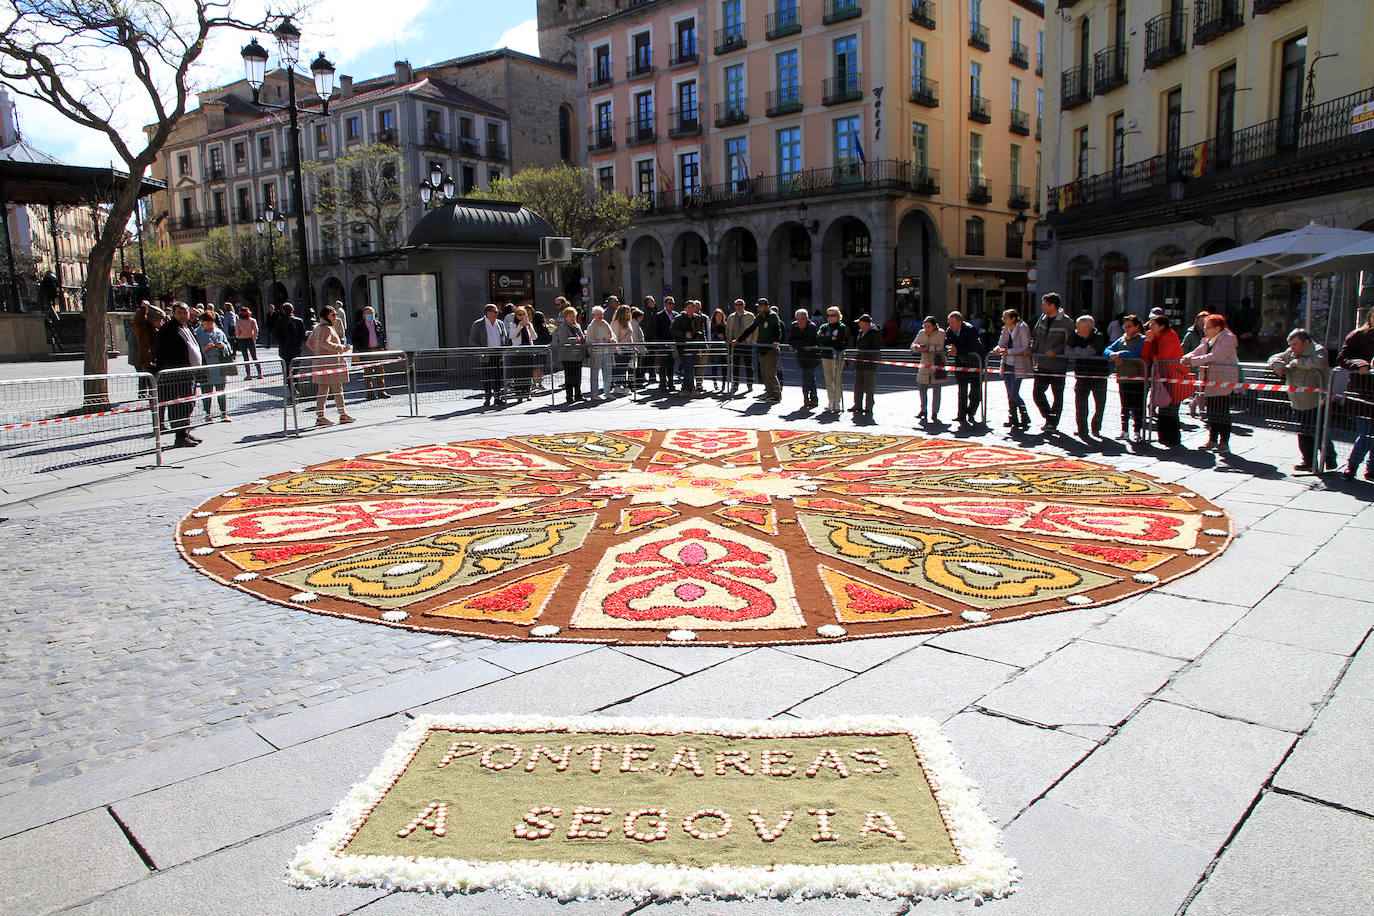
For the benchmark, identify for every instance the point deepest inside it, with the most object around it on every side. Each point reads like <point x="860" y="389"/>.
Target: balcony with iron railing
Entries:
<point x="600" y="138"/>
<point x="1039" y="127"/>
<point x="1304" y="153"/>
<point x="848" y="87"/>
<point x="496" y="150"/>
<point x="244" y="215"/>
<point x="682" y="53"/>
<point x="219" y="218"/>
<point x="1264" y="6"/>
<point x="1018" y="197"/>
<point x="1074" y="88"/>
<point x="640" y="64"/>
<point x="434" y="139"/>
<point x="1020" y="122"/>
<point x="730" y="38"/>
<point x="684" y="122"/>
<point x="979" y="190"/>
<point x="925" y="92"/>
<point x="882" y="175"/>
<point x="600" y="79"/>
<point x="784" y="101"/>
<point x="188" y="222"/>
<point x="639" y="130"/>
<point x="1020" y="55"/>
<point x="1039" y="64"/>
<point x="784" y="22"/>
<point x="840" y="10"/>
<point x="1109" y="69"/>
<point x="1214" y="18"/>
<point x="469" y="146"/>
<point x="386" y="135"/>
<point x="214" y="173"/>
<point x="923" y="13"/>
<point x="731" y="112"/>
<point x="979" y="109"/>
<point x="978" y="37"/>
<point x="1166" y="37"/>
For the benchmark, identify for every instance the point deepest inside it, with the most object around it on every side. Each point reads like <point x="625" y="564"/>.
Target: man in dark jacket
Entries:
<point x="801" y="337"/>
<point x="290" y="332"/>
<point x="1049" y="337"/>
<point x="369" y="335"/>
<point x="1090" y="370"/>
<point x="965" y="348"/>
<point x="867" y="348"/>
<point x="688" y="330"/>
<point x="489" y="332"/>
<point x="768" y="334"/>
<point x="663" y="336"/>
<point x="177" y="350"/>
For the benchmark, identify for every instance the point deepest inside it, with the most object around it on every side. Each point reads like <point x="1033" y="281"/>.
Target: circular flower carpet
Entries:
<point x="720" y="536"/>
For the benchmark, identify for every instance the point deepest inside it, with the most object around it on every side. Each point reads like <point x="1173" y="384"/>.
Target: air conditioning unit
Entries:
<point x="554" y="250"/>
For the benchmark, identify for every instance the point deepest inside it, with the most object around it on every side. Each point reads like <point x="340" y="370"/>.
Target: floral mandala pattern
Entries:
<point x="717" y="536"/>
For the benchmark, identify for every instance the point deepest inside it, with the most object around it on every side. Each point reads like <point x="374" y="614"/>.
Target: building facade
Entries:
<point x="229" y="160"/>
<point x="868" y="154"/>
<point x="1180" y="129"/>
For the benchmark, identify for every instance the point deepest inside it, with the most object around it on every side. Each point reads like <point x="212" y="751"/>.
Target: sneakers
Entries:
<point x="322" y="420"/>
<point x="345" y="418"/>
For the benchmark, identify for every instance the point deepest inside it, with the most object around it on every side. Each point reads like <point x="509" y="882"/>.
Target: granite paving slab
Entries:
<point x="1184" y="775"/>
<point x="1292" y="856"/>
<point x="1084" y="684"/>
<point x="923" y="682"/>
<point x="1310" y="620"/>
<point x="682" y="659"/>
<point x="69" y="861"/>
<point x="1334" y="760"/>
<point x="1166" y="624"/>
<point x="198" y="816"/>
<point x="1022" y="643"/>
<point x="1259" y="681"/>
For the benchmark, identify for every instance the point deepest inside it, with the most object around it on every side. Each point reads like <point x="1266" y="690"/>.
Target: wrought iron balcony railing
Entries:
<point x="684" y="122"/>
<point x="1214" y="18"/>
<point x="1020" y="55"/>
<point x="979" y="190"/>
<point x="600" y="138"/>
<point x="978" y="37"/>
<point x="787" y="100"/>
<point x="923" y="13"/>
<point x="1074" y="88"/>
<point x="1109" y="69"/>
<point x="925" y="92"/>
<point x="1018" y="197"/>
<point x="846" y="88"/>
<point x="640" y="130"/>
<point x="730" y="38"/>
<point x="1020" y="123"/>
<point x="782" y="23"/>
<point x="682" y="53"/>
<point x="979" y="109"/>
<point x="639" y="64"/>
<point x="733" y="111"/>
<point x="1166" y="37"/>
<point x="840" y="10"/>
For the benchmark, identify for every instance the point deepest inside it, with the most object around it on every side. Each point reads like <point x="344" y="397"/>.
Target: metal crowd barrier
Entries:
<point x="1345" y="419"/>
<point x="377" y="382"/>
<point x="49" y="424"/>
<point x="208" y="394"/>
<point x="443" y="378"/>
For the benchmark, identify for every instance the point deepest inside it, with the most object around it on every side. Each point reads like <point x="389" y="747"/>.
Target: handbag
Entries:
<point x="941" y="373"/>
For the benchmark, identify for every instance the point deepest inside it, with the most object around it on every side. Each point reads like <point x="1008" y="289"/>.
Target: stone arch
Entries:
<point x="691" y="265"/>
<point x="1116" y="286"/>
<point x="1169" y="293"/>
<point x="1081" y="285"/>
<point x="919" y="287"/>
<point x="1220" y="295"/>
<point x="645" y="269"/>
<point x="359" y="294"/>
<point x="739" y="265"/>
<point x="331" y="291"/>
<point x="847" y="266"/>
<point x="789" y="248"/>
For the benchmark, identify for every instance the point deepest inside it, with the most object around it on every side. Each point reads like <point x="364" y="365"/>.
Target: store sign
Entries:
<point x="511" y="285"/>
<point x="1362" y="118"/>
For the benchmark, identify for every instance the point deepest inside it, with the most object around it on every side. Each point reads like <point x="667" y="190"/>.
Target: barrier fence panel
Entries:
<point x="352" y="385"/>
<point x="1348" y="419"/>
<point x="898" y="372"/>
<point x="53" y="423"/>
<point x="452" y="379"/>
<point x="1258" y="398"/>
<point x="243" y="390"/>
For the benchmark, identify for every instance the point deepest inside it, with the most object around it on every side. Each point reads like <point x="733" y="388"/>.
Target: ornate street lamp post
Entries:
<point x="269" y="221"/>
<point x="438" y="188"/>
<point x="255" y="67"/>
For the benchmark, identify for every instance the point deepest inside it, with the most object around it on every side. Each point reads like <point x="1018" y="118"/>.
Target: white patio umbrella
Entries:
<point x="1277" y="254"/>
<point x="1359" y="256"/>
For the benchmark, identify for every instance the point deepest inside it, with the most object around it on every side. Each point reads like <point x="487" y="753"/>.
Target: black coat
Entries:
<point x="663" y="324"/>
<point x="967" y="344"/>
<point x="171" y="347"/>
<point x="359" y="336"/>
<point x="290" y="333"/>
<point x="803" y="340"/>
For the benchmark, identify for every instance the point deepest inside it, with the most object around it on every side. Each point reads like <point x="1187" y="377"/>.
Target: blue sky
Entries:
<point x="362" y="37"/>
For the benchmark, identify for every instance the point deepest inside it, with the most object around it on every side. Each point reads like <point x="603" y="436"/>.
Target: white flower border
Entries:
<point x="984" y="871"/>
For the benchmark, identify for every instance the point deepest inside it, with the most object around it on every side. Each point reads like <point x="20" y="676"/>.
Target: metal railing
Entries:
<point x="1075" y="87"/>
<point x="49" y="424"/>
<point x="1166" y="37"/>
<point x="452" y="377"/>
<point x="786" y="21"/>
<point x="640" y="63"/>
<point x="840" y="10"/>
<point x="684" y="123"/>
<point x="369" y="383"/>
<point x="1214" y="18"/>
<point x="847" y="87"/>
<point x="682" y="53"/>
<point x="979" y="109"/>
<point x="785" y="100"/>
<point x="923" y="13"/>
<point x="1109" y="69"/>
<point x="978" y="37"/>
<point x="1313" y="131"/>
<point x="1020" y="55"/>
<point x="198" y="396"/>
<point x="1020" y="122"/>
<point x="730" y="38"/>
<point x="925" y="92"/>
<point x="732" y="111"/>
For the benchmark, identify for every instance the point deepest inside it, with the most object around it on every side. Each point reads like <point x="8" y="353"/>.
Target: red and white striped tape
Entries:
<point x="85" y="416"/>
<point x="360" y="364"/>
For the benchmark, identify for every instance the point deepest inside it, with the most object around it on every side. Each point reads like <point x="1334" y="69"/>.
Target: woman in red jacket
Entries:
<point x="1163" y="353"/>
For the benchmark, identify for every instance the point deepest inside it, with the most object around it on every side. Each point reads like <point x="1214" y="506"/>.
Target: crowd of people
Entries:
<point x="687" y="352"/>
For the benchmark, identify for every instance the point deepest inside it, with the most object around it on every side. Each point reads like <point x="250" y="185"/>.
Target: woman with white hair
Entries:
<point x="599" y="337"/>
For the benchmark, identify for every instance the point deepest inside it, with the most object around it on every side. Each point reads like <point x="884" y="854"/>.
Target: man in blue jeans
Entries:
<point x="688" y="329"/>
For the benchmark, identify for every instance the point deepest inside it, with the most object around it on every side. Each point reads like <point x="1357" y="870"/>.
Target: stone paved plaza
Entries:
<point x="166" y="742"/>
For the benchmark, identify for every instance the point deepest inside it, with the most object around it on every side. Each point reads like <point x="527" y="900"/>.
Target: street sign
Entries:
<point x="668" y="290"/>
<point x="586" y="292"/>
<point x="1030" y="275"/>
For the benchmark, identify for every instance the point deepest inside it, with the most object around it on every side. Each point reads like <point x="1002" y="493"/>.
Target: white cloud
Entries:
<point x="523" y="37"/>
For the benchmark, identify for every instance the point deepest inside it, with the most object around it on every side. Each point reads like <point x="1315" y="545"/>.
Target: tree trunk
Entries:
<point x="98" y="268"/>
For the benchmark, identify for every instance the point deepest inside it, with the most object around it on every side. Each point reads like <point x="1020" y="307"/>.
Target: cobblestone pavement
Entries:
<point x="1186" y="750"/>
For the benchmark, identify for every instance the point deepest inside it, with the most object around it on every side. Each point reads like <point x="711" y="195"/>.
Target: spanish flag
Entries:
<point x="667" y="182"/>
<point x="1200" y="160"/>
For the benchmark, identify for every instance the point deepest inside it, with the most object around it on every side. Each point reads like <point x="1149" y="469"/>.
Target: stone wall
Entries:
<point x="22" y="337"/>
<point x="531" y="92"/>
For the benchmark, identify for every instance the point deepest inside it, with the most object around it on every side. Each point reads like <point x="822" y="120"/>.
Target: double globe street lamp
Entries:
<point x="438" y="187"/>
<point x="255" y="68"/>
<point x="269" y="221"/>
